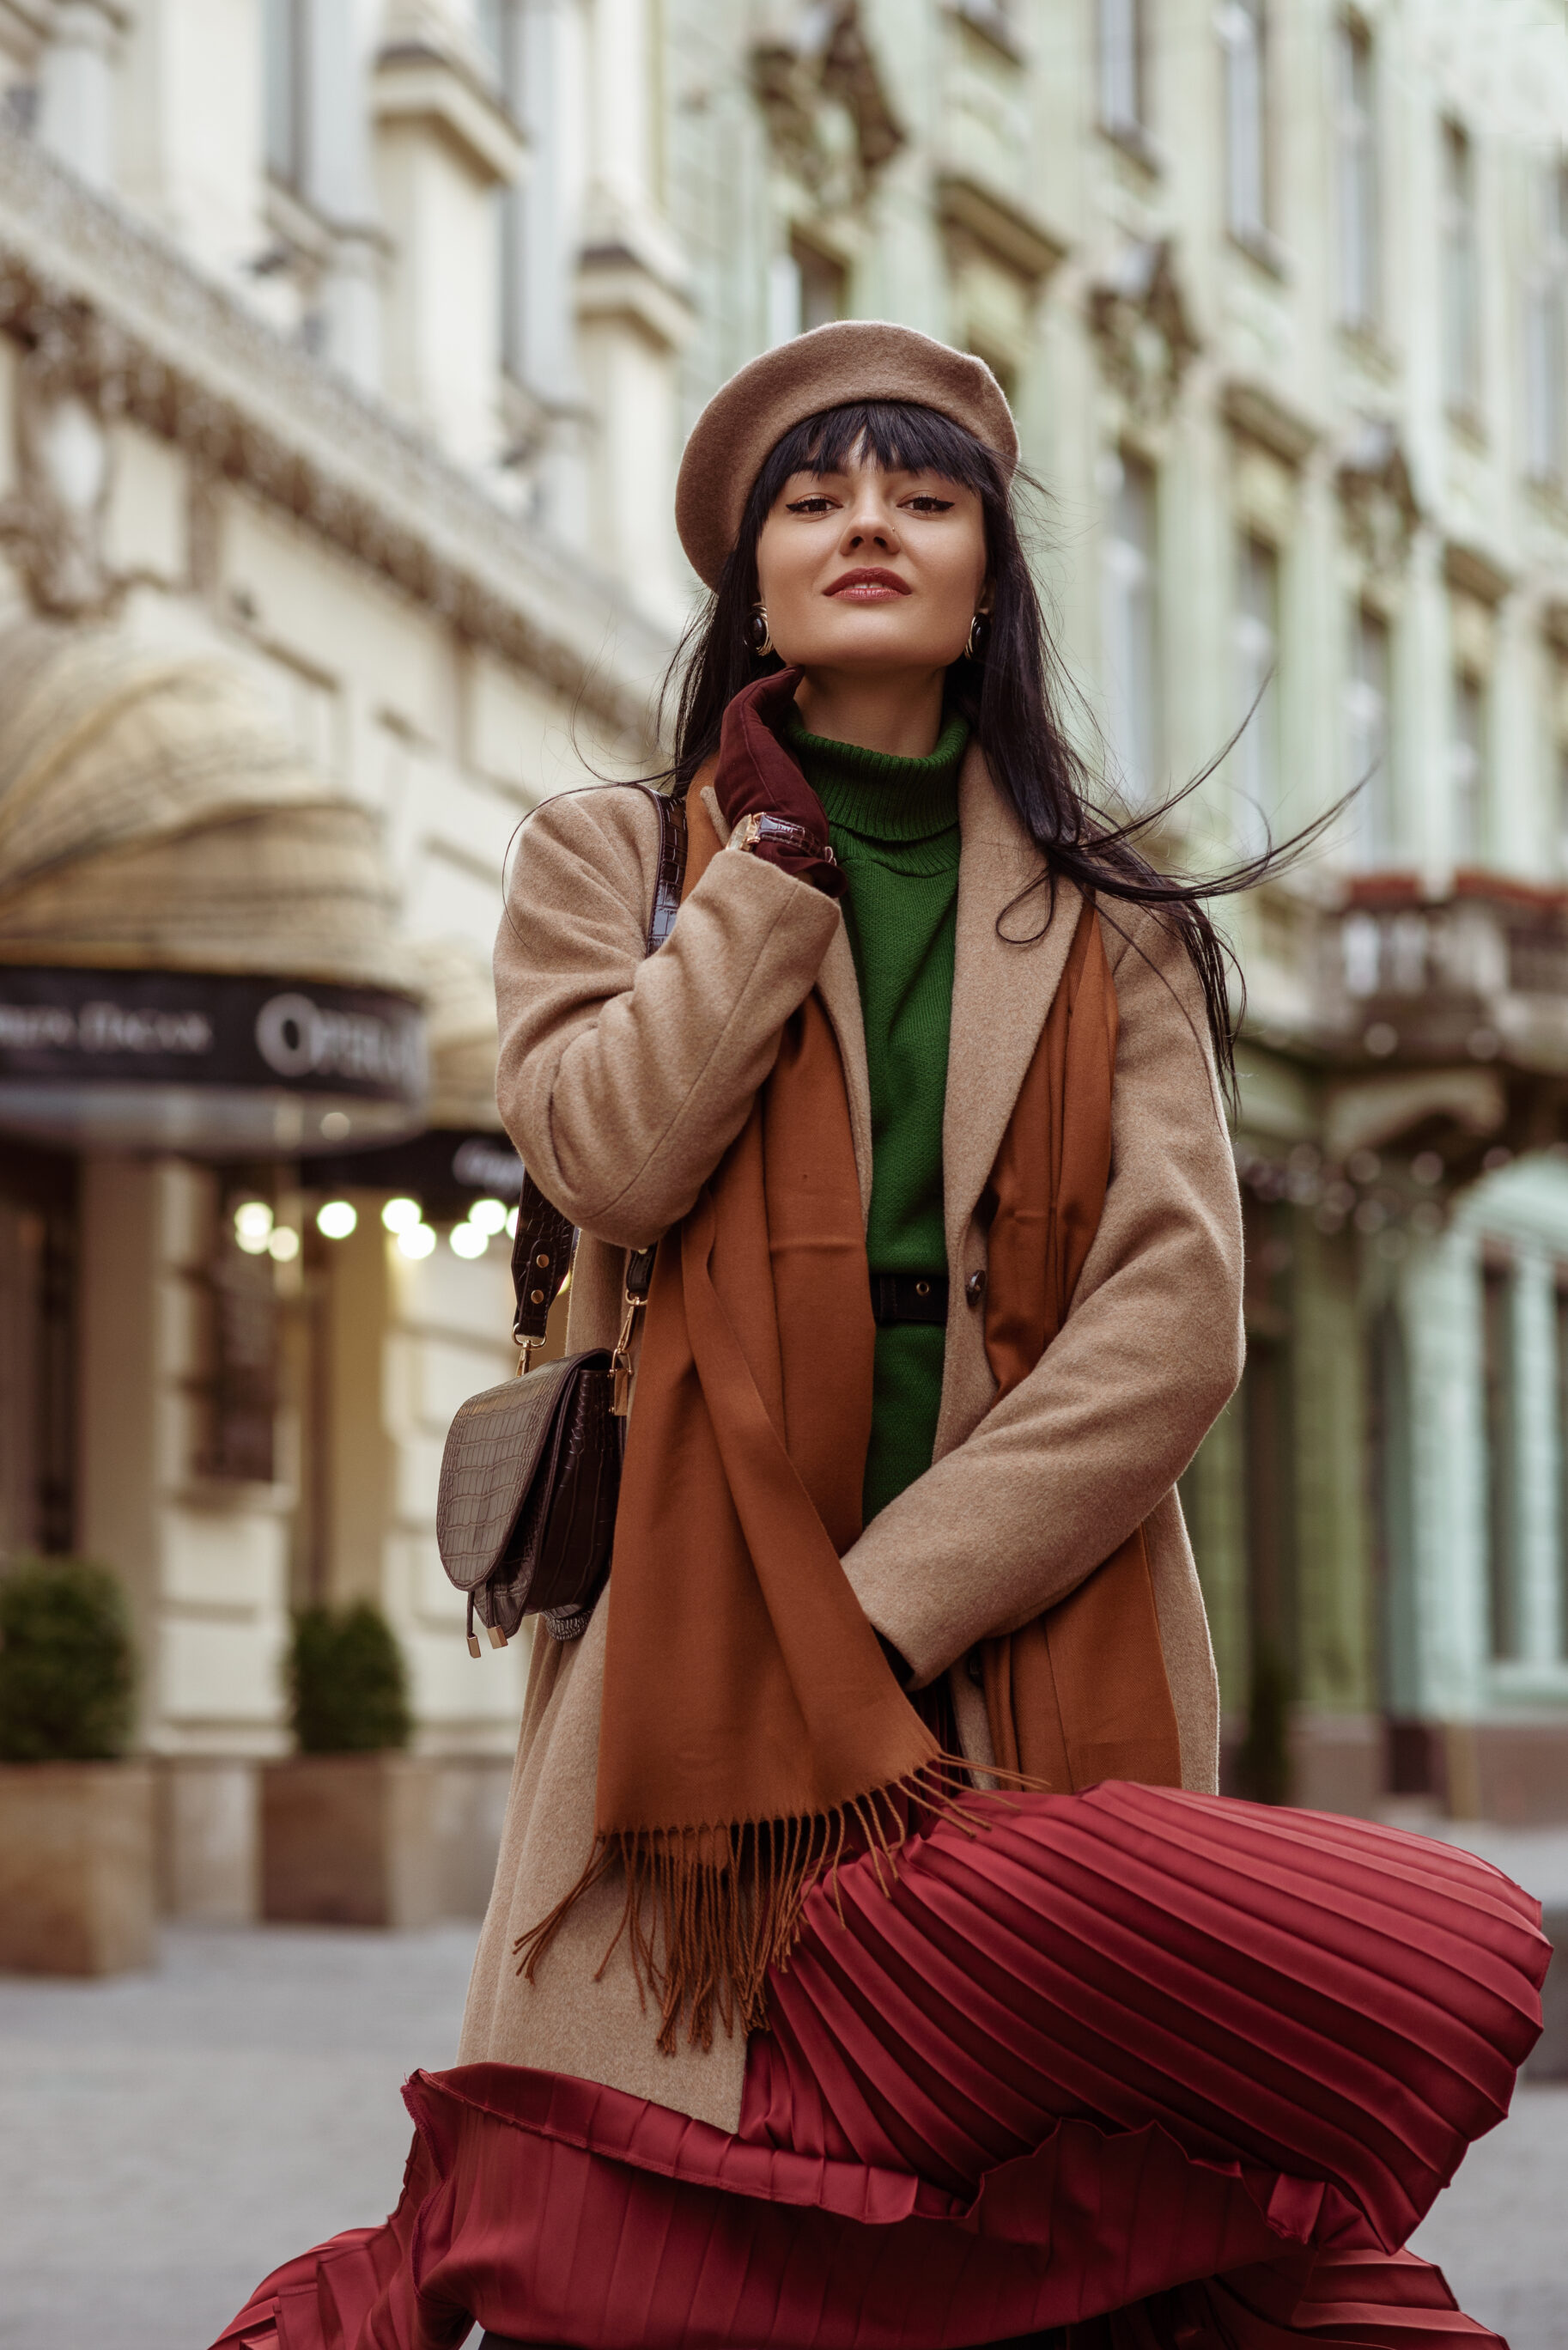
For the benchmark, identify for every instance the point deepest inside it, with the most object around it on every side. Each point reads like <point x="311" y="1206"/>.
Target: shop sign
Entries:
<point x="212" y="1062"/>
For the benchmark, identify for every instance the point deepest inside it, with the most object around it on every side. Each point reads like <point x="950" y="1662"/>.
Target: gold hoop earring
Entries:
<point x="761" y="641"/>
<point x="974" y="643"/>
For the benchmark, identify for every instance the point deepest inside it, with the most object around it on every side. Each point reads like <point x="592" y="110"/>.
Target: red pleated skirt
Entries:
<point x="1148" y="2067"/>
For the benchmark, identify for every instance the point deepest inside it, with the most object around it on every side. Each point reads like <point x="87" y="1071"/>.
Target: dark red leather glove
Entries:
<point x="757" y="776"/>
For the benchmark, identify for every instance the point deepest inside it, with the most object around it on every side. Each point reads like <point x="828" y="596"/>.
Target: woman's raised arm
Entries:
<point x="622" y="1077"/>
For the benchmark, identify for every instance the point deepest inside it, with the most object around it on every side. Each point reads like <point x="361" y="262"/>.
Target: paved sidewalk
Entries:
<point x="165" y="2139"/>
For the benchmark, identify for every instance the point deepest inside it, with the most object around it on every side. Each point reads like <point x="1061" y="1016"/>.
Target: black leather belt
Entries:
<point x="910" y="1298"/>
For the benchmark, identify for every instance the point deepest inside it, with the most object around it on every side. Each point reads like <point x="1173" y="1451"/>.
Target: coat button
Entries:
<point x="974" y="1288"/>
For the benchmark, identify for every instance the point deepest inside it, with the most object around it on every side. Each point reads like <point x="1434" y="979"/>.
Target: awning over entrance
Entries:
<point x="197" y="949"/>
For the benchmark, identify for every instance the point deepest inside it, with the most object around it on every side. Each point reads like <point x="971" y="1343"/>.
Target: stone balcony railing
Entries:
<point x="1431" y="1024"/>
<point x="1480" y="975"/>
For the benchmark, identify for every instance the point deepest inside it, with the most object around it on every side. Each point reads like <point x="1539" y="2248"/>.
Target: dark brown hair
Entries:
<point x="1011" y="694"/>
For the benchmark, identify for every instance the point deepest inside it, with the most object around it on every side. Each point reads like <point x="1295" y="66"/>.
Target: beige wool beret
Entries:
<point x="851" y="359"/>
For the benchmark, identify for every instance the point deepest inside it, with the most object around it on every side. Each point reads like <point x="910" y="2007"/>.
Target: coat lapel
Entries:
<point x="1002" y="991"/>
<point x="838" y="986"/>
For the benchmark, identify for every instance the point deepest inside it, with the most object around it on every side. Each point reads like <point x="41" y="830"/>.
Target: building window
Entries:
<point x="1257" y="647"/>
<point x="806" y="288"/>
<point x="1119" y="33"/>
<point x="1461" y="291"/>
<point x="1131" y="631"/>
<point x="1356" y="158"/>
<point x="1468" y="769"/>
<point x="1546" y="335"/>
<point x="1241" y="33"/>
<point x="1497" y="1408"/>
<point x="284" y="56"/>
<point x="1367" y="733"/>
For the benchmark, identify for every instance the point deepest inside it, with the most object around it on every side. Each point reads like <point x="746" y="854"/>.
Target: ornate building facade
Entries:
<point x="1280" y="291"/>
<point x="346" y="347"/>
<point x="290" y="645"/>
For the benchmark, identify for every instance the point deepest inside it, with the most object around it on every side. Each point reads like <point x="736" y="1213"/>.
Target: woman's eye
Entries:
<point x="815" y="506"/>
<point x="926" y="504"/>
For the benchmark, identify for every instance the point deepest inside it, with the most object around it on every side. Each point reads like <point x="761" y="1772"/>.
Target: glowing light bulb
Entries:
<point x="253" y="1226"/>
<point x="401" y="1215"/>
<point x="416" y="1239"/>
<point x="467" y="1240"/>
<point x="336" y="1219"/>
<point x="490" y="1215"/>
<point x="512" y="1223"/>
<point x="283" y="1241"/>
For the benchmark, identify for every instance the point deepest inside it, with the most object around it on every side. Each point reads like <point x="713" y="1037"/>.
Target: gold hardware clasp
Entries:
<point x="620" y="1362"/>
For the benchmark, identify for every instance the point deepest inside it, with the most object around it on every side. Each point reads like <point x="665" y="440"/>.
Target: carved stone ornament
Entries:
<point x="829" y="118"/>
<point x="108" y="314"/>
<point x="1143" y="329"/>
<point x="52" y="522"/>
<point x="1379" y="500"/>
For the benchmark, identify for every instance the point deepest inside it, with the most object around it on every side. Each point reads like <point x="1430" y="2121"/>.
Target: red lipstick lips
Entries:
<point x="869" y="586"/>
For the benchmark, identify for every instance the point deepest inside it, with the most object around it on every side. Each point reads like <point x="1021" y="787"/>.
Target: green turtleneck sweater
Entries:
<point x="894" y="828"/>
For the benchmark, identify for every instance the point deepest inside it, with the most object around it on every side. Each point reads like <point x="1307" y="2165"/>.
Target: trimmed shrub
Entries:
<point x="67" y="1663"/>
<point x="346" y="1682"/>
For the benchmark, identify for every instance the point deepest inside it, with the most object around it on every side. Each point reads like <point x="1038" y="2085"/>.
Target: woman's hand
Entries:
<point x="757" y="776"/>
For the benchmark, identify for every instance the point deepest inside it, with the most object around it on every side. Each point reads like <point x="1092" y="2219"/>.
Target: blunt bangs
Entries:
<point x="899" y="436"/>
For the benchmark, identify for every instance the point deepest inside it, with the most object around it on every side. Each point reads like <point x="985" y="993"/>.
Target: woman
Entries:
<point x="871" y="1961"/>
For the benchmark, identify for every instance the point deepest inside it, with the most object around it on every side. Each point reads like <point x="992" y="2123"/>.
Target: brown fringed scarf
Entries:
<point x="1081" y="1693"/>
<point x="749" y="1721"/>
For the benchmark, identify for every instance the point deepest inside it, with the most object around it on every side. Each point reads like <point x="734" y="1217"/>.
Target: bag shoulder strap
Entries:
<point x="542" y="1250"/>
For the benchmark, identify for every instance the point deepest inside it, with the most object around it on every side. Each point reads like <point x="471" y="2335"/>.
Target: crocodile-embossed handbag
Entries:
<point x="531" y="1473"/>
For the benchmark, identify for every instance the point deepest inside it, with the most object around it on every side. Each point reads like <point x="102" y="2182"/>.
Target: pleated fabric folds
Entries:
<point x="1132" y="2068"/>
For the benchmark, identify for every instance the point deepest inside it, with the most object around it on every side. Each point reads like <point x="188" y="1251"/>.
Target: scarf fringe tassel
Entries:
<point x="708" y="1910"/>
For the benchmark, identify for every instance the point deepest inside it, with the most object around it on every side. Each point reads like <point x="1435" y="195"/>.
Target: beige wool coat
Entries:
<point x="622" y="1081"/>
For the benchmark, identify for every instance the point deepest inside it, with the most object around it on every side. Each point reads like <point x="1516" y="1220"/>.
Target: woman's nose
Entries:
<point x="870" y="528"/>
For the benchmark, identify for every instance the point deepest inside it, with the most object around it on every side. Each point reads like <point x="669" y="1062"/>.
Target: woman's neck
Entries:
<point x="900" y="714"/>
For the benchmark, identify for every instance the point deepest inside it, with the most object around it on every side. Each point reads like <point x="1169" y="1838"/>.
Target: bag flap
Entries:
<point x="493" y="1451"/>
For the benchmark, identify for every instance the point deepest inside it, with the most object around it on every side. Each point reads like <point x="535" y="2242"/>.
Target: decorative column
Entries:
<point x="1423" y="720"/>
<point x="444" y="143"/>
<point x="76" y="87"/>
<point x="338" y="182"/>
<point x="203" y="1557"/>
<point x="634" y="316"/>
<point x="192" y="149"/>
<point x="1442" y="1305"/>
<point x="543" y="357"/>
<point x="1535" y="1466"/>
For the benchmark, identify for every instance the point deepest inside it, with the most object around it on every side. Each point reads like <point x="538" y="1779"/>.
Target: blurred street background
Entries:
<point x="347" y="351"/>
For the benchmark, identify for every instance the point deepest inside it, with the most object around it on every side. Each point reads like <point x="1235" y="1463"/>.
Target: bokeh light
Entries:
<point x="253" y="1226"/>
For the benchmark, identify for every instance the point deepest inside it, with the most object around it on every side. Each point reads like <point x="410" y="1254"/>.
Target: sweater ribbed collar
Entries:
<point x="874" y="794"/>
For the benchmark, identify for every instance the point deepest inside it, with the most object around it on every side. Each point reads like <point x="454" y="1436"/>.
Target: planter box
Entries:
<point x="350" y="1840"/>
<point x="209" y="1838"/>
<point x="78" y="1867"/>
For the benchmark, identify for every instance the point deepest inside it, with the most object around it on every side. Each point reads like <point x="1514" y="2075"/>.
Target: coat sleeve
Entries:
<point x="1058" y="1473"/>
<point x="623" y="1078"/>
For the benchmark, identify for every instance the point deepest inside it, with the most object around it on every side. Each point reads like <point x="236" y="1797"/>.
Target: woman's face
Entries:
<point x="865" y="570"/>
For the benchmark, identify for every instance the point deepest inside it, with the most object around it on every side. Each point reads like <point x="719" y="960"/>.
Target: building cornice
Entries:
<point x="414" y="81"/>
<point x="110" y="310"/>
<point x="1024" y="243"/>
